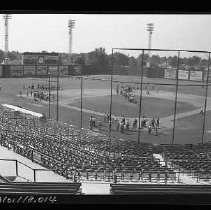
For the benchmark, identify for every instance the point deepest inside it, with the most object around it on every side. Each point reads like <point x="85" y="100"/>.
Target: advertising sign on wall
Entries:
<point x="52" y="70"/>
<point x="183" y="74"/>
<point x="41" y="70"/>
<point x="77" y="70"/>
<point x="196" y="75"/>
<point x="63" y="70"/>
<point x="16" y="71"/>
<point x="29" y="70"/>
<point x="170" y="74"/>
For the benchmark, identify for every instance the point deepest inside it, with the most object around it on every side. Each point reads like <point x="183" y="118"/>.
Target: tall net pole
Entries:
<point x="6" y="17"/>
<point x="176" y="95"/>
<point x="111" y="94"/>
<point x="140" y="97"/>
<point x="57" y="93"/>
<point x="205" y="102"/>
<point x="81" y="102"/>
<point x="49" y="102"/>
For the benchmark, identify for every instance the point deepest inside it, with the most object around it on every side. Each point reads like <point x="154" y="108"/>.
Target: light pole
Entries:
<point x="150" y="28"/>
<point x="6" y="17"/>
<point x="71" y="25"/>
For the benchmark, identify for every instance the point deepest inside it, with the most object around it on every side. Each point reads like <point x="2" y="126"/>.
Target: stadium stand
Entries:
<point x="76" y="155"/>
<point x="79" y="156"/>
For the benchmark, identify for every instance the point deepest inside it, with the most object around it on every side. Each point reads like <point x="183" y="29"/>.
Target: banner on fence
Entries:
<point x="77" y="70"/>
<point x="36" y="157"/>
<point x="196" y="75"/>
<point x="42" y="70"/>
<point x="170" y="74"/>
<point x="53" y="70"/>
<point x="16" y="71"/>
<point x="63" y="70"/>
<point x="29" y="70"/>
<point x="183" y="74"/>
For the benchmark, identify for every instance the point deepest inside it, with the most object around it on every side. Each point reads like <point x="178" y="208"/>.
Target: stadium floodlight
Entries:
<point x="150" y="28"/>
<point x="6" y="17"/>
<point x="71" y="25"/>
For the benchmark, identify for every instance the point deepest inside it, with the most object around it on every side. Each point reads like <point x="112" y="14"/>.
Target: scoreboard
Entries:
<point x="31" y="58"/>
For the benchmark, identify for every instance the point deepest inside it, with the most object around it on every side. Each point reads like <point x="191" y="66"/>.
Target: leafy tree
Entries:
<point x="2" y="56"/>
<point x="120" y="59"/>
<point x="98" y="56"/>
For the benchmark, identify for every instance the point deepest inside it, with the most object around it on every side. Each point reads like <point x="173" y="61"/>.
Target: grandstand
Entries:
<point x="80" y="157"/>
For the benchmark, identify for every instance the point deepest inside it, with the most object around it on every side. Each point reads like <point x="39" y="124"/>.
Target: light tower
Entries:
<point x="71" y="24"/>
<point x="150" y="28"/>
<point x="6" y="17"/>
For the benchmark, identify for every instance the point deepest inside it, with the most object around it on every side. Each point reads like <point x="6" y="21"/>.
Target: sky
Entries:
<point x="38" y="32"/>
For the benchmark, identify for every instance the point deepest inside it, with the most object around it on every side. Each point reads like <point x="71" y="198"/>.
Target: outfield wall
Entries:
<point x="185" y="75"/>
<point x="7" y="71"/>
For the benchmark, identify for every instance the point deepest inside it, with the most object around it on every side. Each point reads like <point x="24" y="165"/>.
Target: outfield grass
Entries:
<point x="151" y="107"/>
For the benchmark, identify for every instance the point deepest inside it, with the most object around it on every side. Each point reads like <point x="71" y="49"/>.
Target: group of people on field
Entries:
<point x="148" y="87"/>
<point x="39" y="92"/>
<point x="93" y="123"/>
<point x="126" y="91"/>
<point x="124" y="125"/>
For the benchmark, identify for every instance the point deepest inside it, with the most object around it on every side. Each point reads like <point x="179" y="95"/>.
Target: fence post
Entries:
<point x="34" y="175"/>
<point x="81" y="101"/>
<point x="16" y="164"/>
<point x="140" y="101"/>
<point x="205" y="102"/>
<point x="176" y="95"/>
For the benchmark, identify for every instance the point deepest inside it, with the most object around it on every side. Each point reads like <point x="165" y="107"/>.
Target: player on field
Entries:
<point x="153" y="123"/>
<point x="158" y="122"/>
<point x="201" y="111"/>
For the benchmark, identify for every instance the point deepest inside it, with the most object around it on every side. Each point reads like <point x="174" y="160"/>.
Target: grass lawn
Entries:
<point x="151" y="107"/>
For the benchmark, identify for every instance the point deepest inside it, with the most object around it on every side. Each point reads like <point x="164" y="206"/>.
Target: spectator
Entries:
<point x="123" y="119"/>
<point x="90" y="123"/>
<point x="153" y="123"/>
<point x="117" y="126"/>
<point x="105" y="117"/>
<point x="108" y="117"/>
<point x="127" y="125"/>
<point x="135" y="124"/>
<point x="158" y="122"/>
<point x="122" y="127"/>
<point x="93" y="119"/>
<point x="99" y="125"/>
<point x="149" y="129"/>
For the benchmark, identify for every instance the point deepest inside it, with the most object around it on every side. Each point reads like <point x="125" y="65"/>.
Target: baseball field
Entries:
<point x="160" y="102"/>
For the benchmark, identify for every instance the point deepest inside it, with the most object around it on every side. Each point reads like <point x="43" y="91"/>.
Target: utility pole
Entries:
<point x="6" y="17"/>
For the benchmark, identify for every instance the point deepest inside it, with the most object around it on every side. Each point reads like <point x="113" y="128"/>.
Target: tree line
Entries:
<point x="100" y="57"/>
